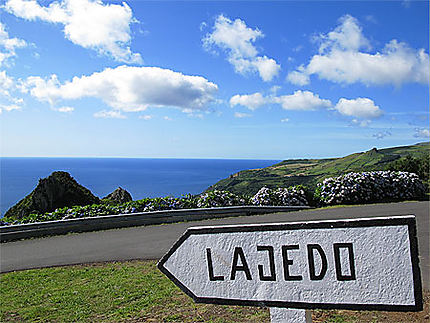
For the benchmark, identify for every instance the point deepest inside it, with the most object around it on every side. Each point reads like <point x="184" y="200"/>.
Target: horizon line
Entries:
<point x="212" y="158"/>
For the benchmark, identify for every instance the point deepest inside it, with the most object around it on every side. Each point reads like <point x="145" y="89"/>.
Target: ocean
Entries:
<point x="141" y="177"/>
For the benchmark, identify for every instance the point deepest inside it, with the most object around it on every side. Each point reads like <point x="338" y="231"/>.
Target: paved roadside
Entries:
<point x="151" y="242"/>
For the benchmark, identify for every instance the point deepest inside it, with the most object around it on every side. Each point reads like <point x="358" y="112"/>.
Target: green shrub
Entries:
<point x="418" y="165"/>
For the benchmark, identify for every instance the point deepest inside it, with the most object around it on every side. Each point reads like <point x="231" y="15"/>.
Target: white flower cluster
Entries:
<point x="219" y="198"/>
<point x="370" y="187"/>
<point x="291" y="196"/>
<point x="264" y="196"/>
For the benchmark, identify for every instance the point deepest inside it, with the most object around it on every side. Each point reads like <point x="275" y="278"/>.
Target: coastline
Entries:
<point x="142" y="177"/>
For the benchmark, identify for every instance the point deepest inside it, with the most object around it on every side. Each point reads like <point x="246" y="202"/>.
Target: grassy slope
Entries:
<point x="112" y="292"/>
<point x="310" y="171"/>
<point x="135" y="292"/>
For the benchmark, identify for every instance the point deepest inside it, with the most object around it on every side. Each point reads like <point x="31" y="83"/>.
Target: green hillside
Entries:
<point x="310" y="171"/>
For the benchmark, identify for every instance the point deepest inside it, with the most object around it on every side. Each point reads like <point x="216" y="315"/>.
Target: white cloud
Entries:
<point x="167" y="118"/>
<point x="251" y="101"/>
<point x="145" y="117"/>
<point x="422" y="133"/>
<point x="112" y="114"/>
<point x="298" y="77"/>
<point x="274" y="89"/>
<point x="347" y="36"/>
<point x="382" y="134"/>
<point x="361" y="123"/>
<point x="10" y="107"/>
<point x="285" y="120"/>
<point x="8" y="102"/>
<point x="203" y="25"/>
<point x="192" y="113"/>
<point x="91" y="24"/>
<point x="237" y="40"/>
<point x="268" y="68"/>
<point x="234" y="36"/>
<point x="360" y="108"/>
<point x="300" y="100"/>
<point x="196" y="115"/>
<point x="6" y="83"/>
<point x="8" y="46"/>
<point x="241" y="115"/>
<point x="128" y="88"/>
<point x="342" y="59"/>
<point x="65" y="109"/>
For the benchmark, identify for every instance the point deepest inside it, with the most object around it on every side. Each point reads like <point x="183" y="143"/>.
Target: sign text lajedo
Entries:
<point x="369" y="264"/>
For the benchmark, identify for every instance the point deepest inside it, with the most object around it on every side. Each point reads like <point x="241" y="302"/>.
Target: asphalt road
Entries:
<point x="152" y="242"/>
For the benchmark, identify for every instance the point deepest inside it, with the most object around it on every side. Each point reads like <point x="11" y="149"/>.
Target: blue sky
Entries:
<point x="261" y="80"/>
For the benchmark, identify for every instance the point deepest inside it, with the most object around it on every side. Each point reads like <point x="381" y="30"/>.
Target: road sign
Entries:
<point x="362" y="264"/>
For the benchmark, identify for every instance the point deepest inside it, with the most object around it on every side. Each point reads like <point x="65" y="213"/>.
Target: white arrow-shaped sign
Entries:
<point x="369" y="264"/>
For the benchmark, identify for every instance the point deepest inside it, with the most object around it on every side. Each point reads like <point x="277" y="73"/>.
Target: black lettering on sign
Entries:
<point x="288" y="262"/>
<point x="238" y="253"/>
<point x="272" y="276"/>
<point x="311" y="261"/>
<point x="212" y="277"/>
<point x="338" y="264"/>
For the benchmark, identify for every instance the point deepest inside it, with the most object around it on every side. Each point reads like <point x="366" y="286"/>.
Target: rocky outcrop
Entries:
<point x="120" y="195"/>
<point x="58" y="190"/>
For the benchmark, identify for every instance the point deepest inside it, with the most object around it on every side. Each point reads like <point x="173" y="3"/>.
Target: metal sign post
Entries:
<point x="363" y="264"/>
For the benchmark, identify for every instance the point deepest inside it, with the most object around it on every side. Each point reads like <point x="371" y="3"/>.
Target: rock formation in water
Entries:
<point x="58" y="190"/>
<point x="118" y="196"/>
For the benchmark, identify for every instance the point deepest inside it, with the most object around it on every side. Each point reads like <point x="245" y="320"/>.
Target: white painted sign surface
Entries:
<point x="354" y="264"/>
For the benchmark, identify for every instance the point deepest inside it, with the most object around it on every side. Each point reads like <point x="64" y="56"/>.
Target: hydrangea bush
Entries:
<point x="219" y="199"/>
<point x="162" y="203"/>
<point x="144" y="205"/>
<point x="367" y="187"/>
<point x="291" y="196"/>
